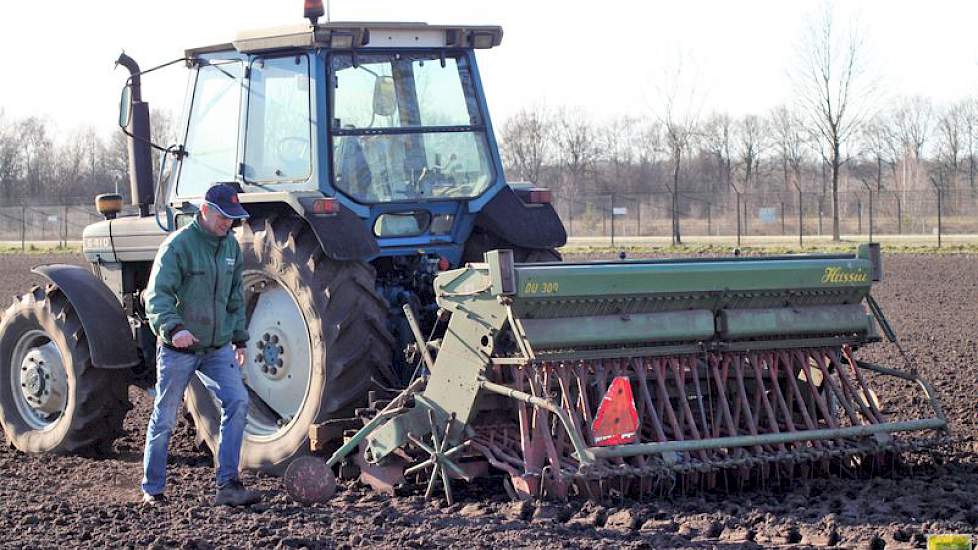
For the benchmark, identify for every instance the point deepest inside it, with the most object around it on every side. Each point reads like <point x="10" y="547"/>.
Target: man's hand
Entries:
<point x="240" y="354"/>
<point x="184" y="339"/>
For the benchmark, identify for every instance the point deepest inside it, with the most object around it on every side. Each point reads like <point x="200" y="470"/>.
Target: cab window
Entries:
<point x="212" y="134"/>
<point x="279" y="135"/>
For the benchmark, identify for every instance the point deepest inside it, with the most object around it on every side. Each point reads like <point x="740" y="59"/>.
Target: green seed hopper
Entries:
<point x="619" y="377"/>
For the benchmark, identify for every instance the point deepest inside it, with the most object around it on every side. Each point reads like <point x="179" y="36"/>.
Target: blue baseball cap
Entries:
<point x="224" y="198"/>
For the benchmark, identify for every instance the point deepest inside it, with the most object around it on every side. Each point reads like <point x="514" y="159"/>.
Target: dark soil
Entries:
<point x="52" y="501"/>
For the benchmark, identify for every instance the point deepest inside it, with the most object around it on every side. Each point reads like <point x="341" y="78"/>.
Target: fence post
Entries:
<point x="939" y="227"/>
<point x="801" y="222"/>
<point x="738" y="218"/>
<point x="782" y="218"/>
<point x="65" y="245"/>
<point x="709" y="220"/>
<point x="859" y="216"/>
<point x="638" y="205"/>
<point x="870" y="214"/>
<point x="612" y="220"/>
<point x="821" y="198"/>
<point x="570" y="217"/>
<point x="23" y="228"/>
<point x="604" y="222"/>
<point x="746" y="219"/>
<point x="899" y="215"/>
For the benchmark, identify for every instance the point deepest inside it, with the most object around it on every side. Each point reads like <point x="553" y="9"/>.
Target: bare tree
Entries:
<point x="10" y="161"/>
<point x="527" y="139"/>
<point x="832" y="88"/>
<point x="70" y="166"/>
<point x="716" y="142"/>
<point x="36" y="151"/>
<point x="749" y="142"/>
<point x="678" y="110"/>
<point x="911" y="124"/>
<point x="617" y="141"/>
<point x="577" y="147"/>
<point x="791" y="142"/>
<point x="950" y="138"/>
<point x="969" y="111"/>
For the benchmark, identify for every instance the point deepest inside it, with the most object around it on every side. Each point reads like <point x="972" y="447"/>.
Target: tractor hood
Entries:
<point x="129" y="239"/>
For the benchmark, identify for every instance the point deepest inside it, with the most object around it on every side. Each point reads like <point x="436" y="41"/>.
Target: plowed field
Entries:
<point x="932" y="301"/>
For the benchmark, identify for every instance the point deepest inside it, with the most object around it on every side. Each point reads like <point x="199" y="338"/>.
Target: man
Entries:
<point x="195" y="306"/>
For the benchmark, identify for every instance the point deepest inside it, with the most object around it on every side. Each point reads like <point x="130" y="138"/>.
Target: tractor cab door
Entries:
<point x="212" y="139"/>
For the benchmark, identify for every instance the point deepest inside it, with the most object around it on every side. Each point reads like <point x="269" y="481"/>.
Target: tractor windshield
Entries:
<point x="407" y="127"/>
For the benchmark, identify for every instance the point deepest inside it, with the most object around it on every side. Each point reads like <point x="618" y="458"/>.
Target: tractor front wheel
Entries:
<point x="52" y="399"/>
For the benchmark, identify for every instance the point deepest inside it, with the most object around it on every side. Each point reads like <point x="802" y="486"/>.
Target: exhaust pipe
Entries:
<point x="140" y="157"/>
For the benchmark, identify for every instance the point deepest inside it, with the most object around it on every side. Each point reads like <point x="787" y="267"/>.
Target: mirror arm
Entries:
<point x="126" y="131"/>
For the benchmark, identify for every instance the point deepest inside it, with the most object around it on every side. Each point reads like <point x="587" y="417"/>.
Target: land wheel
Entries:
<point x="52" y="399"/>
<point x="318" y="341"/>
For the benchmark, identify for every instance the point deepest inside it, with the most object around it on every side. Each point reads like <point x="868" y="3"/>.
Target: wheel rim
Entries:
<point x="279" y="357"/>
<point x="38" y="380"/>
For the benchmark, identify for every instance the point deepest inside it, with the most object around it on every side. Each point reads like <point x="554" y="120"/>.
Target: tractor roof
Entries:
<point x="348" y="35"/>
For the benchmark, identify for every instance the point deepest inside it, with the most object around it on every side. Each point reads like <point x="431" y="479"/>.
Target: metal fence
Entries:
<point x="61" y="223"/>
<point x="649" y="215"/>
<point x="770" y="214"/>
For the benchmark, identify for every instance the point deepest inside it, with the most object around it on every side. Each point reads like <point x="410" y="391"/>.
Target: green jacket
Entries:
<point x="196" y="285"/>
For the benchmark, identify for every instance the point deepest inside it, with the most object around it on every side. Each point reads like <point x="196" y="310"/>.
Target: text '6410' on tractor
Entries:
<point x="409" y="314"/>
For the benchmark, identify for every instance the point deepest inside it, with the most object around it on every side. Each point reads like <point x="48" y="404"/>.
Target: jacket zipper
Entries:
<point x="217" y="278"/>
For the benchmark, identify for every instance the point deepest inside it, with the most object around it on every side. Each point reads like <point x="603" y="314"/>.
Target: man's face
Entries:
<point x="214" y="221"/>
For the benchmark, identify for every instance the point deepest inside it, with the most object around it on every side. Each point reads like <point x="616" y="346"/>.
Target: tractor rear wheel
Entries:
<point x="318" y="341"/>
<point x="52" y="399"/>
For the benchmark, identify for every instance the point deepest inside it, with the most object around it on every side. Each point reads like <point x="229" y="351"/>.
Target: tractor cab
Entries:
<point x="385" y="120"/>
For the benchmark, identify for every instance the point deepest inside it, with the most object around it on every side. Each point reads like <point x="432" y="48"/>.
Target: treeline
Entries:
<point x="909" y="149"/>
<point x="39" y="166"/>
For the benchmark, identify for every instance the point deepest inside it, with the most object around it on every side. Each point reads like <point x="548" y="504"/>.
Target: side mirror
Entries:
<point x="125" y="106"/>
<point x="385" y="100"/>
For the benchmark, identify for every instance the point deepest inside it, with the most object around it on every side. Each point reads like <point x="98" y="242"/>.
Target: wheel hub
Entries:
<point x="271" y="355"/>
<point x="278" y="367"/>
<point x="42" y="379"/>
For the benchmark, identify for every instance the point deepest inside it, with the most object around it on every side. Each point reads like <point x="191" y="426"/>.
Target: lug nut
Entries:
<point x="273" y="371"/>
<point x="261" y="344"/>
<point x="279" y="363"/>
<point x="274" y="339"/>
<point x="266" y="337"/>
<point x="281" y="349"/>
<point x="264" y="368"/>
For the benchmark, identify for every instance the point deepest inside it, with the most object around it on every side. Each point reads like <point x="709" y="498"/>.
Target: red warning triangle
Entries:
<point x="616" y="422"/>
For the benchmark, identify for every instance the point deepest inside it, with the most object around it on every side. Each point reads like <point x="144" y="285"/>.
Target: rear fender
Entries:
<point x="520" y="224"/>
<point x="343" y="236"/>
<point x="110" y="337"/>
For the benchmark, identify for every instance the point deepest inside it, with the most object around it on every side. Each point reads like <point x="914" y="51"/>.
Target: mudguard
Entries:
<point x="110" y="338"/>
<point x="520" y="224"/>
<point x="343" y="235"/>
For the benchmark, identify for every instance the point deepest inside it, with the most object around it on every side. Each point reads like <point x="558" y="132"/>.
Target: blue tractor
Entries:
<point x="365" y="155"/>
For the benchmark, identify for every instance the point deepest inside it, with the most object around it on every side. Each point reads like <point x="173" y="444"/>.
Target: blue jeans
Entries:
<point x="219" y="372"/>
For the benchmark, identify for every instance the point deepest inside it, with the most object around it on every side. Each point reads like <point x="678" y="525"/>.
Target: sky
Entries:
<point x="602" y="59"/>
